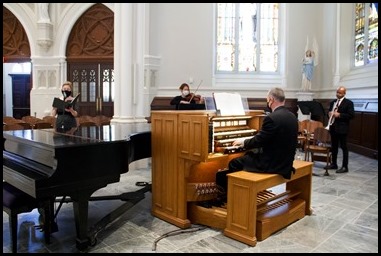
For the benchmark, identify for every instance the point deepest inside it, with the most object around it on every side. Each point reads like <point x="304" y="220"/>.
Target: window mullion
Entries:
<point x="258" y="45"/>
<point x="236" y="37"/>
<point x="366" y="34"/>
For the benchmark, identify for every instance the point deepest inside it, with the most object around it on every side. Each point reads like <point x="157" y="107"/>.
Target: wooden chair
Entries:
<point x="30" y="120"/>
<point x="85" y="118"/>
<point x="302" y="134"/>
<point x="311" y="125"/>
<point x="101" y="120"/>
<point x="50" y="119"/>
<point x="9" y="120"/>
<point x="87" y="123"/>
<point x="15" y="202"/>
<point x="42" y="125"/>
<point x="16" y="126"/>
<point x="308" y="127"/>
<point x="319" y="147"/>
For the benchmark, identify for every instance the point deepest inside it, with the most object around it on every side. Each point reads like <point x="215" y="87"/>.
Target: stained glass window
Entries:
<point x="247" y="37"/>
<point x="366" y="33"/>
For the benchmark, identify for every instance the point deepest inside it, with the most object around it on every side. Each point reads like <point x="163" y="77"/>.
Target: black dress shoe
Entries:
<point x="342" y="170"/>
<point x="332" y="166"/>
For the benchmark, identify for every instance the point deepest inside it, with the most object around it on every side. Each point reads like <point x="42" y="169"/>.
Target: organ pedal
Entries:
<point x="274" y="212"/>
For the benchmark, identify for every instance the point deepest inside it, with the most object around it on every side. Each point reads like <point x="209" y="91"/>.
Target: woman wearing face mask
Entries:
<point x="66" y="117"/>
<point x="186" y="97"/>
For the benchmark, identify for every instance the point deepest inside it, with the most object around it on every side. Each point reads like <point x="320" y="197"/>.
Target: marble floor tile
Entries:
<point x="344" y="220"/>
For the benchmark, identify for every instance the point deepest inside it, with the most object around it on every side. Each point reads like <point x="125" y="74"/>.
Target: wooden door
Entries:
<point x="95" y="83"/>
<point x="90" y="61"/>
<point x="21" y="86"/>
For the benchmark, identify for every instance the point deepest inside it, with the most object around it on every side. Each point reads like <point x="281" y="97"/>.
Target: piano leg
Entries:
<point x="46" y="219"/>
<point x="85" y="236"/>
<point x="81" y="210"/>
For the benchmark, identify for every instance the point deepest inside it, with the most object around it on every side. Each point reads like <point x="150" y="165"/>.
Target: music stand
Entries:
<point x="314" y="108"/>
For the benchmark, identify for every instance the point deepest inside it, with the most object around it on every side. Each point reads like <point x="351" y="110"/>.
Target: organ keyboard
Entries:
<point x="226" y="130"/>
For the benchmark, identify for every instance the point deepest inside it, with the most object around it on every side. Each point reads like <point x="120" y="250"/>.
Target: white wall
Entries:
<point x="182" y="35"/>
<point x="179" y="42"/>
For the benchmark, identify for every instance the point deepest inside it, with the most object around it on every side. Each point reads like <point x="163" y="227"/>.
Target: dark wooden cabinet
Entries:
<point x="363" y="133"/>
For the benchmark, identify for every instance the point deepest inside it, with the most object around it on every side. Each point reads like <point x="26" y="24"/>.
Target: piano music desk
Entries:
<point x="250" y="217"/>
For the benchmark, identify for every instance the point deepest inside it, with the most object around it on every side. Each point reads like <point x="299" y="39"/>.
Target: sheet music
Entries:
<point x="61" y="104"/>
<point x="229" y="104"/>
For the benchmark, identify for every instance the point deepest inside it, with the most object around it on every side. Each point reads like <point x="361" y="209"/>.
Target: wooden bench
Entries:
<point x="254" y="213"/>
<point x="15" y="202"/>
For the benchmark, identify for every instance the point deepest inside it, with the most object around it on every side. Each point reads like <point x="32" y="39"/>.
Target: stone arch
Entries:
<point x="92" y="35"/>
<point x="16" y="47"/>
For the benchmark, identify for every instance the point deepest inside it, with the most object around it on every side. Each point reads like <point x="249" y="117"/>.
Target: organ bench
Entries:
<point x="254" y="213"/>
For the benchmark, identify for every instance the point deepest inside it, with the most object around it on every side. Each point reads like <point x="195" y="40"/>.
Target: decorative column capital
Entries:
<point x="45" y="35"/>
<point x="305" y="96"/>
<point x="45" y="44"/>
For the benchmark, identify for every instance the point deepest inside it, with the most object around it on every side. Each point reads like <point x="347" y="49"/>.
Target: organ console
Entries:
<point x="47" y="164"/>
<point x="189" y="147"/>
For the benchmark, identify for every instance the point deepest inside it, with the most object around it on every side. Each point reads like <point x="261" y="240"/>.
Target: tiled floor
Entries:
<point x="344" y="219"/>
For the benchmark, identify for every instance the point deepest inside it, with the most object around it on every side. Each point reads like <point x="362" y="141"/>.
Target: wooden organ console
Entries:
<point x="188" y="148"/>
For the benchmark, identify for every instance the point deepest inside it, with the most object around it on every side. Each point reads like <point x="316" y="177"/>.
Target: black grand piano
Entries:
<point x="46" y="163"/>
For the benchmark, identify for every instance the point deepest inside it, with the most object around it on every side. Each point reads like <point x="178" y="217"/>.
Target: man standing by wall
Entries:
<point x="342" y="111"/>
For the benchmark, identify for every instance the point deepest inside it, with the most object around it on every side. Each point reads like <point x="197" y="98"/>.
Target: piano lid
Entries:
<point x="82" y="135"/>
<point x="42" y="145"/>
<point x="47" y="162"/>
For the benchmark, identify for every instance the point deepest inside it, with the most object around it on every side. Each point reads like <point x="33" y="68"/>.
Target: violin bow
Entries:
<point x="196" y="91"/>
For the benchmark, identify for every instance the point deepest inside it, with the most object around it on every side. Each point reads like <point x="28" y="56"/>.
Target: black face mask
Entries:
<point x="66" y="94"/>
<point x="268" y="107"/>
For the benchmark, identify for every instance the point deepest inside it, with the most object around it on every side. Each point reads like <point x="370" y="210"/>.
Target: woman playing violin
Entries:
<point x="186" y="97"/>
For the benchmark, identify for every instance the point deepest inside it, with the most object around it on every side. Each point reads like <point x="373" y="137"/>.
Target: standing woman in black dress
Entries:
<point x="66" y="117"/>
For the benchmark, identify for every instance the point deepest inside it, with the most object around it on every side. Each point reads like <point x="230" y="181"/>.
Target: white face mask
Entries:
<point x="185" y="92"/>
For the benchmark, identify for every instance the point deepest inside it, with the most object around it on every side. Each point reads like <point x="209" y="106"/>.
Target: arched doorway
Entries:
<point x="16" y="49"/>
<point x="90" y="55"/>
<point x="90" y="58"/>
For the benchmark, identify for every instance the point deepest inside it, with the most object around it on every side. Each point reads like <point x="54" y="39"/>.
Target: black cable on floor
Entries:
<point x="176" y="232"/>
<point x="142" y="183"/>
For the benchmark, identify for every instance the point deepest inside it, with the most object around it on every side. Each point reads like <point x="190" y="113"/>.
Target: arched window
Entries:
<point x="247" y="38"/>
<point x="366" y="34"/>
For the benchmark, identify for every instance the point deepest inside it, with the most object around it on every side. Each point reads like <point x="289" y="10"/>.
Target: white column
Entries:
<point x="129" y="30"/>
<point x="336" y="77"/>
<point x="123" y="68"/>
<point x="141" y="97"/>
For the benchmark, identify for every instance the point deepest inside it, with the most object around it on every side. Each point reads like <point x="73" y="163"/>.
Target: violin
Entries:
<point x="192" y="96"/>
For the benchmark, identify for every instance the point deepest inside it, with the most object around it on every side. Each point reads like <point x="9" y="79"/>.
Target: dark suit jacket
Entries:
<point x="278" y="139"/>
<point x="347" y="112"/>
